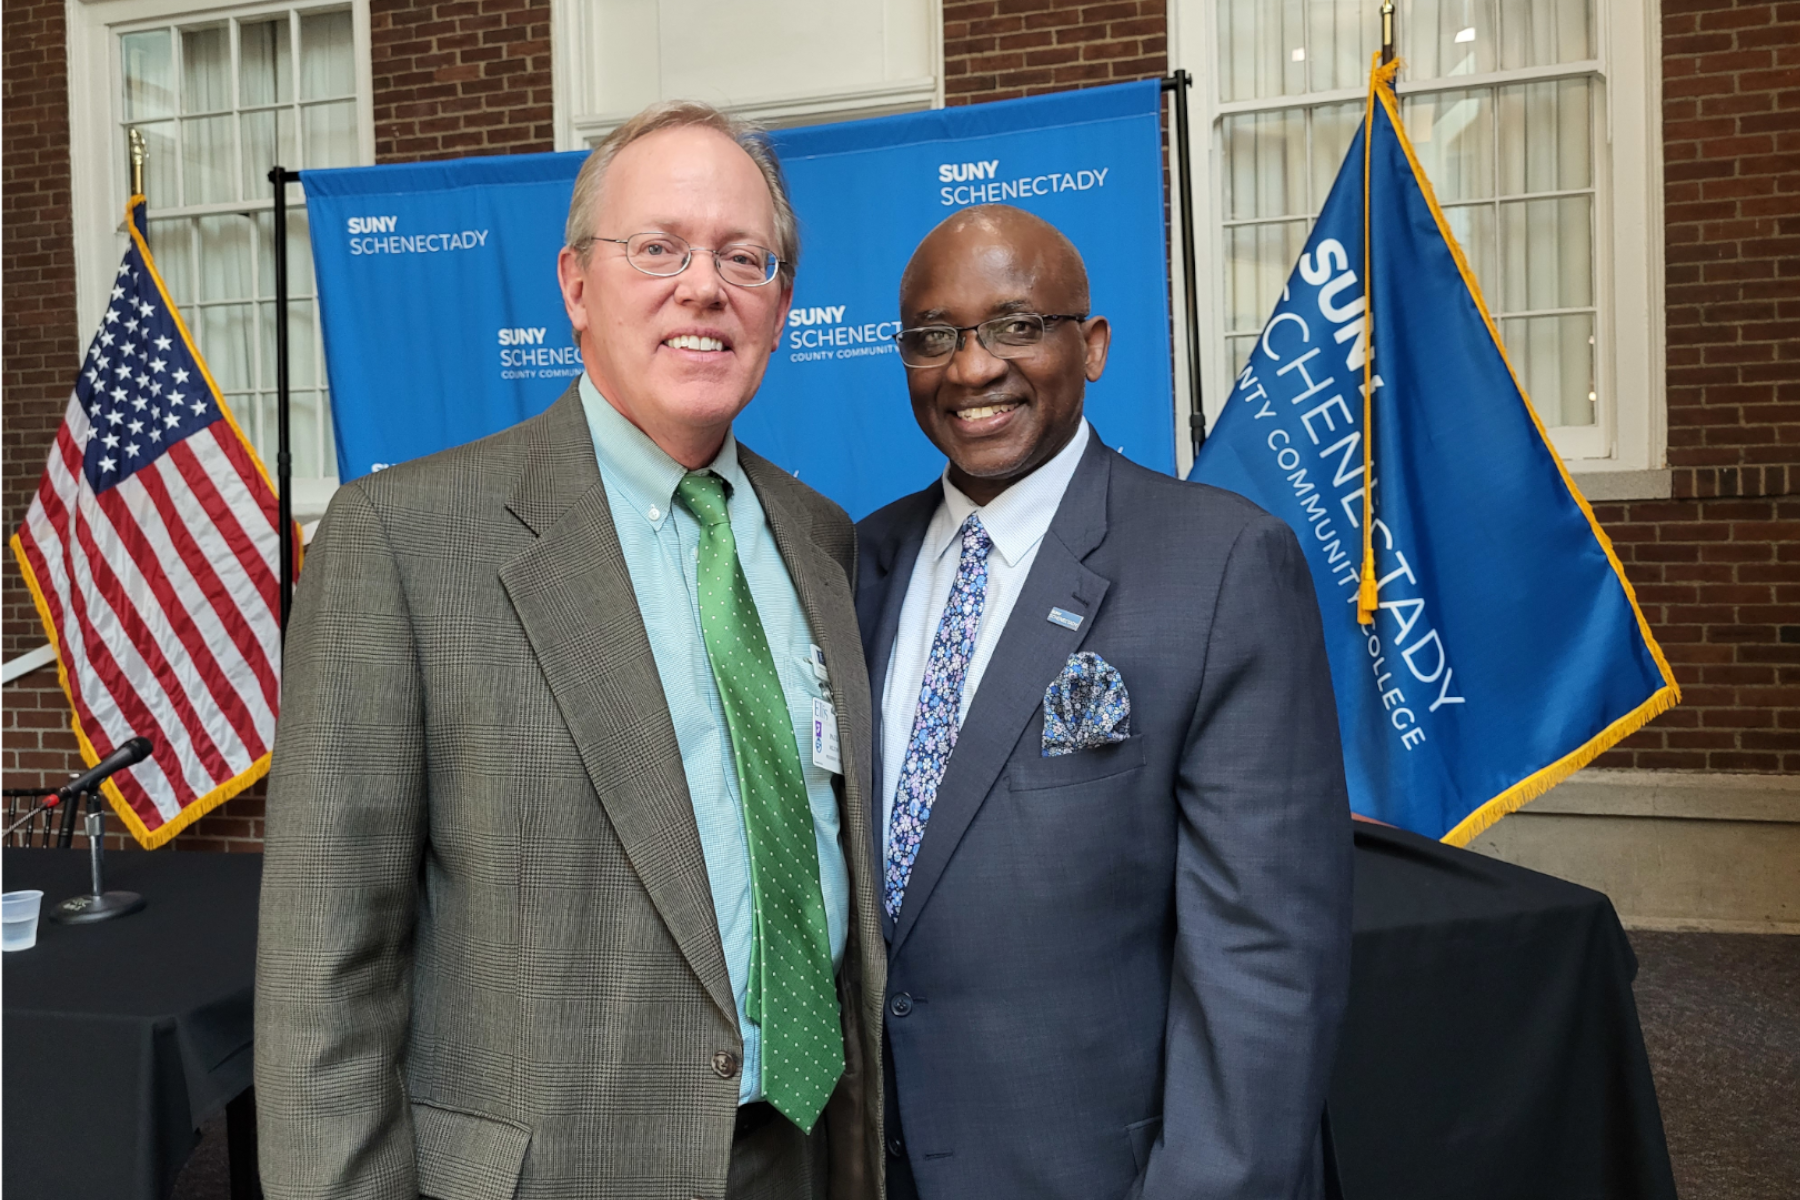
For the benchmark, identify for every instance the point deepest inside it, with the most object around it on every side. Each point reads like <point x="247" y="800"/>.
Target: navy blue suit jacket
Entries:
<point x="1120" y="972"/>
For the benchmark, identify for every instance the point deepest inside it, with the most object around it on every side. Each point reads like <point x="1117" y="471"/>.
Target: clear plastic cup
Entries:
<point x="19" y="919"/>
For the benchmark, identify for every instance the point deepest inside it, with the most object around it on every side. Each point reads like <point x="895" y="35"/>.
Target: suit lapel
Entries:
<point x="878" y="604"/>
<point x="1029" y="655"/>
<point x="572" y="591"/>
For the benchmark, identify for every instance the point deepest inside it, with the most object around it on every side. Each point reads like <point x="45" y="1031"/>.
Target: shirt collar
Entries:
<point x="641" y="470"/>
<point x="1017" y="518"/>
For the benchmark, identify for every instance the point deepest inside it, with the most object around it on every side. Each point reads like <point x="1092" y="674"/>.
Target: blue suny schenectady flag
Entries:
<point x="1497" y="646"/>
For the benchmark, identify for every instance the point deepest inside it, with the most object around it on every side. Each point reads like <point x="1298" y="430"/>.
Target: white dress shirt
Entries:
<point x="1016" y="521"/>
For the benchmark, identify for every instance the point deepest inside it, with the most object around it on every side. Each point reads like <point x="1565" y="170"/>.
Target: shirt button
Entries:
<point x="655" y="513"/>
<point x="900" y="1005"/>
<point x="896" y="1147"/>
<point x="725" y="1064"/>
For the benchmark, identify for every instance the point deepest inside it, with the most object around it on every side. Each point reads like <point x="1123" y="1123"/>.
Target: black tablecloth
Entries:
<point x="122" y="1037"/>
<point x="1492" y="1047"/>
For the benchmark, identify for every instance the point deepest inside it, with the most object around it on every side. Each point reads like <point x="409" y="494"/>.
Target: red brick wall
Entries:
<point x="1001" y="49"/>
<point x="1718" y="567"/>
<point x="460" y="77"/>
<point x="39" y="351"/>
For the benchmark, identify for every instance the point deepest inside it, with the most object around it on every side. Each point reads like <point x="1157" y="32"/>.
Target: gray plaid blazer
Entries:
<point x="488" y="964"/>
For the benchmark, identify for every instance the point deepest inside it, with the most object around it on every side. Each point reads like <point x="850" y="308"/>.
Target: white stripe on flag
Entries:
<point x="239" y="586"/>
<point x="230" y="485"/>
<point x="91" y="692"/>
<point x="150" y="611"/>
<point x="225" y="650"/>
<point x="131" y="664"/>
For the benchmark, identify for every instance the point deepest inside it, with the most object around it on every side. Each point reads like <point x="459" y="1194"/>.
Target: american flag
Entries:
<point x="151" y="549"/>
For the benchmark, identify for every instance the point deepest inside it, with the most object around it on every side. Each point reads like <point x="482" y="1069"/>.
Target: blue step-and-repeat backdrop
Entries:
<point x="443" y="322"/>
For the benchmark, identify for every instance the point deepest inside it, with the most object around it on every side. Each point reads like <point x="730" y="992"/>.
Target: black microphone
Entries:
<point x="130" y="754"/>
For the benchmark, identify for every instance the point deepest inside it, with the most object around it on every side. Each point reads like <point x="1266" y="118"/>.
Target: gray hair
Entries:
<point x="675" y="114"/>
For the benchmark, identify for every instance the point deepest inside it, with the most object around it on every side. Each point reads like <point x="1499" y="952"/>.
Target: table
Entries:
<point x="122" y="1037"/>
<point x="1491" y="1050"/>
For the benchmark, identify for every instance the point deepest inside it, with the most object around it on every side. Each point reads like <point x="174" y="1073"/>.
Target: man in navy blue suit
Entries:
<point x="1114" y="826"/>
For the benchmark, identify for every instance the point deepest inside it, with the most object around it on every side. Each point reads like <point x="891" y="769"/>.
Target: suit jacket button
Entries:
<point x="725" y="1064"/>
<point x="900" y="1005"/>
<point x="896" y="1147"/>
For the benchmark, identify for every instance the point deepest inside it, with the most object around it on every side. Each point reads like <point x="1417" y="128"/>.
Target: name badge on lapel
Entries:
<point x="825" y="753"/>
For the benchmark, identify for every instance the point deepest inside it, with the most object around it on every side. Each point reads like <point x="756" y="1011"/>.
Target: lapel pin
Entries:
<point x="1065" y="618"/>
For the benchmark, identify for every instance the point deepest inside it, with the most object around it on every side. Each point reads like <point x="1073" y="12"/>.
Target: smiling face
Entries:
<point x="999" y="419"/>
<point x="680" y="356"/>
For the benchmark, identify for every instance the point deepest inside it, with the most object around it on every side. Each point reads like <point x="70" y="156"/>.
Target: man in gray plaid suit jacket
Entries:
<point x="563" y="895"/>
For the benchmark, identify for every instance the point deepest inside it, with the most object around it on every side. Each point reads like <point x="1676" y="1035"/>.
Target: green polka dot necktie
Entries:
<point x="792" y="996"/>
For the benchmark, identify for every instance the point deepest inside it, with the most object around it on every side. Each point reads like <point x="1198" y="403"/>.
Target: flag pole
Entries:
<point x="1387" y="32"/>
<point x="138" y="154"/>
<point x="284" y="459"/>
<point x="1179" y="82"/>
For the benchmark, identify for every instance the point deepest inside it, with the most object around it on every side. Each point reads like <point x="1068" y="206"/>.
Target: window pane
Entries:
<point x="224" y="253"/>
<point x="1549" y="252"/>
<point x="327" y="61"/>
<point x="1453" y="135"/>
<point x="1540" y="33"/>
<point x="1545" y="137"/>
<point x="1261" y="38"/>
<point x="249" y="411"/>
<point x="1239" y="349"/>
<point x="268" y="142"/>
<point x="330" y="134"/>
<point x="327" y="438"/>
<point x="302" y="369"/>
<point x="1334" y="126"/>
<point x="265" y="63"/>
<point x="1442" y="38"/>
<point x="1340" y="36"/>
<point x="223" y="331"/>
<point x="300" y="276"/>
<point x="159" y="163"/>
<point x="205" y="70"/>
<point x="1554" y="357"/>
<point x="172" y="246"/>
<point x="149" y="63"/>
<point x="1258" y="259"/>
<point x="1265" y="157"/>
<point x="305" y="413"/>
<point x="208" y="161"/>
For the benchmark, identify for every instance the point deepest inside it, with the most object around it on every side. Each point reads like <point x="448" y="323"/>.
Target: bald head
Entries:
<point x="1022" y="244"/>
<point x="1002" y="407"/>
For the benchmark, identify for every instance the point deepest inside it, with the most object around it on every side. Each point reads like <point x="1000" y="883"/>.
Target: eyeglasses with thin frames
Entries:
<point x="664" y="254"/>
<point x="1011" y="336"/>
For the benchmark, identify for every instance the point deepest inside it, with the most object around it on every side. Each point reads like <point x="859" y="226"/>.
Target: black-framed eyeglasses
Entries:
<point x="663" y="254"/>
<point x="1010" y="336"/>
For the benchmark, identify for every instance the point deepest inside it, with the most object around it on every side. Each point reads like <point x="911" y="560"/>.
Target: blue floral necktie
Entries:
<point x="940" y="700"/>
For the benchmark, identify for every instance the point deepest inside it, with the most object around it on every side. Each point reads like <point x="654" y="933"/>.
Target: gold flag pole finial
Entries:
<point x="1387" y="32"/>
<point x="137" y="163"/>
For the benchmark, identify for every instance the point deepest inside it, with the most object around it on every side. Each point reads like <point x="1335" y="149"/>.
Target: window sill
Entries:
<point x="1601" y="486"/>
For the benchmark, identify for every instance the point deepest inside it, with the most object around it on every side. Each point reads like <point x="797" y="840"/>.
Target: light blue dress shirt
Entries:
<point x="661" y="541"/>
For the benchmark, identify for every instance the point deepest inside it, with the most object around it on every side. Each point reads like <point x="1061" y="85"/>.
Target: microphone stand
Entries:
<point x="99" y="904"/>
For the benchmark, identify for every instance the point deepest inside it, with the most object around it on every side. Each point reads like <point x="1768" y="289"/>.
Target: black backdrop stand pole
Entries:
<point x="284" y="458"/>
<point x="1179" y="83"/>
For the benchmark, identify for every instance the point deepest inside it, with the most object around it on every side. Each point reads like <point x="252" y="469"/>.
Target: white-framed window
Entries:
<point x="1535" y="121"/>
<point x="221" y="95"/>
<point x="782" y="62"/>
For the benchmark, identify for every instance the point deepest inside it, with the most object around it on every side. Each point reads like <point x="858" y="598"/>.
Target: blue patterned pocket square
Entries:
<point x="1085" y="706"/>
